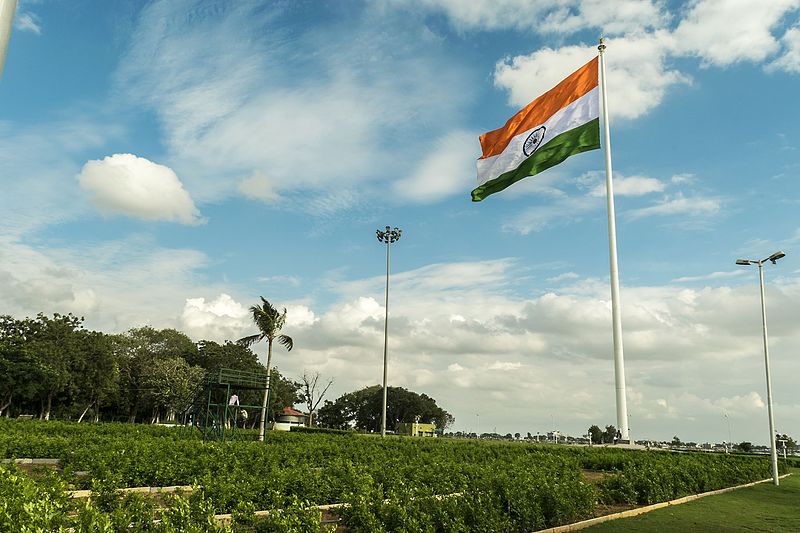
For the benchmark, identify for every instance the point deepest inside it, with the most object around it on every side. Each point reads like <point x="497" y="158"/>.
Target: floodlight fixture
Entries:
<point x="744" y="262"/>
<point x="777" y="255"/>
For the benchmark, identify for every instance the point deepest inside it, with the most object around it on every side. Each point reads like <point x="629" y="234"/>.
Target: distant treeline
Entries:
<point x="52" y="367"/>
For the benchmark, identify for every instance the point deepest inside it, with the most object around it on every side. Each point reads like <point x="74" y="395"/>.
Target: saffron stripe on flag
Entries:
<point x="570" y="89"/>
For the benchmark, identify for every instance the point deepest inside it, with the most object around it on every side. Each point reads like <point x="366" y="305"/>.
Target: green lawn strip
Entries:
<point x="763" y="507"/>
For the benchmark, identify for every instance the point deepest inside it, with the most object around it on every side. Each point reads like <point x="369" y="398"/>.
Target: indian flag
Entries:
<point x="562" y="122"/>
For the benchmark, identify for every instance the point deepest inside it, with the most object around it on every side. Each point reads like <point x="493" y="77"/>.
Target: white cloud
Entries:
<point x="102" y="281"/>
<point x="630" y="186"/>
<point x="231" y="106"/>
<point x="292" y="281"/>
<point x="708" y="277"/>
<point x="25" y="21"/>
<point x="299" y="316"/>
<point x="638" y="77"/>
<point x="682" y="178"/>
<point x="546" y="16"/>
<point x="444" y="170"/>
<point x="505" y="365"/>
<point x="218" y="320"/>
<point x="553" y="213"/>
<point x="36" y="158"/>
<point x="447" y="338"/>
<point x="723" y="32"/>
<point x="679" y="205"/>
<point x="563" y="277"/>
<point x="458" y="335"/>
<point x="720" y="32"/>
<point x="258" y="187"/>
<point x="789" y="61"/>
<point x="131" y="185"/>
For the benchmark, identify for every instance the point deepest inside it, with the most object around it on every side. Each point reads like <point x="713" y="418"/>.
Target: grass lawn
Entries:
<point x="760" y="508"/>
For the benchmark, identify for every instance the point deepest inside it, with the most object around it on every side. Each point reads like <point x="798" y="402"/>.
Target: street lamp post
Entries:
<point x="388" y="236"/>
<point x="730" y="438"/>
<point x="760" y="262"/>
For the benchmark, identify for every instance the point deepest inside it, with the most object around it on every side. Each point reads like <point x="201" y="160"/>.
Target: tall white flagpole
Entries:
<point x="7" y="9"/>
<point x="619" y="362"/>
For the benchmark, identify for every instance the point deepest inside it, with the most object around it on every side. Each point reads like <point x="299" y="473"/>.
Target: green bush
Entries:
<point x="390" y="484"/>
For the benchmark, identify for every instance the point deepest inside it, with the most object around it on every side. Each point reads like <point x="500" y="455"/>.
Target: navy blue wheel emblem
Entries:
<point x="533" y="141"/>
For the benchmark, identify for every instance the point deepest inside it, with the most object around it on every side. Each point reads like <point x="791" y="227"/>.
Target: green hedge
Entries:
<point x="391" y="484"/>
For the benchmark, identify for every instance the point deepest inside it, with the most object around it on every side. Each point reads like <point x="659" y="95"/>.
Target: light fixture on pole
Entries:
<point x="760" y="262"/>
<point x="388" y="236"/>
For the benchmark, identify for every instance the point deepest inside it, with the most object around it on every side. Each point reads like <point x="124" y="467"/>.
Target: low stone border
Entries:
<point x="329" y="514"/>
<point x="641" y="510"/>
<point x="187" y="489"/>
<point x="35" y="462"/>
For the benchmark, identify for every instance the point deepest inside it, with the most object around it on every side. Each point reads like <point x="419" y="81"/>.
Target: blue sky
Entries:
<point x="166" y="163"/>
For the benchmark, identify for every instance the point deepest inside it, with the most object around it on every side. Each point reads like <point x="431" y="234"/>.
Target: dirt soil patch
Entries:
<point x="594" y="476"/>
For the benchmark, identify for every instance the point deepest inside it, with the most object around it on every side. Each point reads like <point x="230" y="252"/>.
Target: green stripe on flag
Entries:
<point x="581" y="139"/>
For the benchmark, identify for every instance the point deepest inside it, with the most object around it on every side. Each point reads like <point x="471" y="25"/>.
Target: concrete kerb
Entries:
<point x="329" y="515"/>
<point x="185" y="489"/>
<point x="641" y="510"/>
<point x="34" y="462"/>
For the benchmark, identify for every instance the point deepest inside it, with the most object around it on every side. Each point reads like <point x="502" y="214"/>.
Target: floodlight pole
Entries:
<point x="773" y="449"/>
<point x="389" y="236"/>
<point x="730" y="438"/>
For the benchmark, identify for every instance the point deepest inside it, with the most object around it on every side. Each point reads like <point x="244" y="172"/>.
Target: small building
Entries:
<point x="416" y="429"/>
<point x="288" y="418"/>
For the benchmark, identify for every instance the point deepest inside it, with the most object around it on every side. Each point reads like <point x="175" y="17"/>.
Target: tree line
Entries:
<point x="362" y="409"/>
<point x="51" y="366"/>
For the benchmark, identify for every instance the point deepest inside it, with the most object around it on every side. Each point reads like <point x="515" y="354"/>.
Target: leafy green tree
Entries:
<point x="95" y="371"/>
<point x="172" y="384"/>
<point x="596" y="434"/>
<point x="609" y="434"/>
<point x="54" y="344"/>
<point x="269" y="322"/>
<point x="211" y="355"/>
<point x="745" y="446"/>
<point x="18" y="366"/>
<point x="362" y="409"/>
<point x="791" y="444"/>
<point x="137" y="351"/>
<point x="676" y="441"/>
<point x="334" y="414"/>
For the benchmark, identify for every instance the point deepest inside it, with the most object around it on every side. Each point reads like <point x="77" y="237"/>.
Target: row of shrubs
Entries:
<point x="392" y="484"/>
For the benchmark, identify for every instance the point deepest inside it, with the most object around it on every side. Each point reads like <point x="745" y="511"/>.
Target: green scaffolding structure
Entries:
<point x="213" y="414"/>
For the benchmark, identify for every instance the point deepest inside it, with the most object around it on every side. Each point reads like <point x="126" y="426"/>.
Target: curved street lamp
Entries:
<point x="388" y="236"/>
<point x="760" y="262"/>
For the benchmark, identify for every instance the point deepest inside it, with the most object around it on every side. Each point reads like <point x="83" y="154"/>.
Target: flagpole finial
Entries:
<point x="602" y="45"/>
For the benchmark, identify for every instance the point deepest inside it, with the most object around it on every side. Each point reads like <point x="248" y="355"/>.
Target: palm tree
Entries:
<point x="269" y="322"/>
